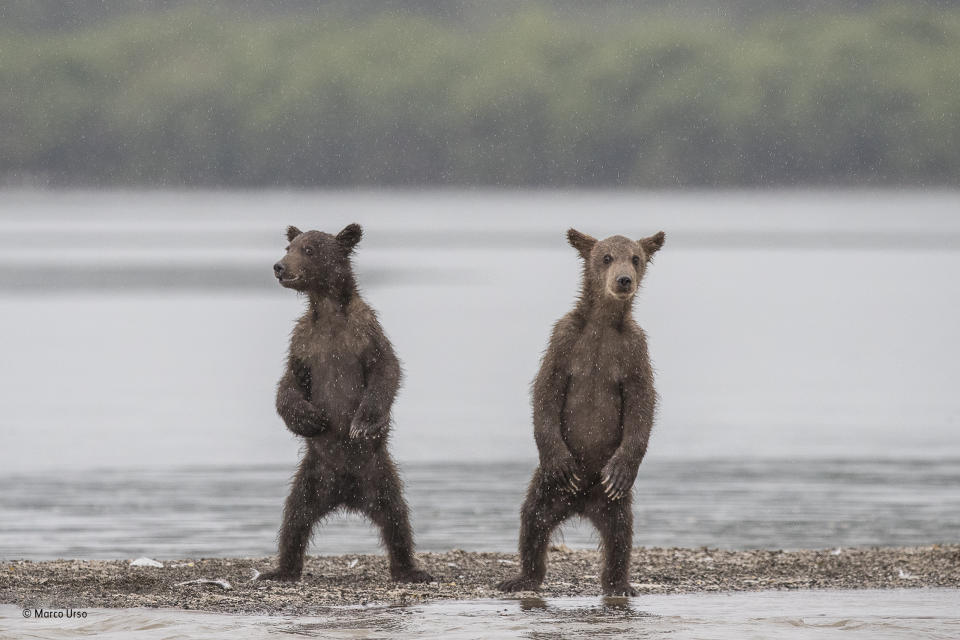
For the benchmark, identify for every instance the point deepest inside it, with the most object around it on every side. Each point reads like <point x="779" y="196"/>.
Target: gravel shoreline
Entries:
<point x="363" y="579"/>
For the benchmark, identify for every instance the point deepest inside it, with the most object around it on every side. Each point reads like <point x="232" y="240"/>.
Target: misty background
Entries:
<point x="802" y="157"/>
<point x="425" y="93"/>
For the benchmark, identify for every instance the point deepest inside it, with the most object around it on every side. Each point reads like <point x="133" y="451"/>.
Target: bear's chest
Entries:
<point x="333" y="355"/>
<point x="597" y="357"/>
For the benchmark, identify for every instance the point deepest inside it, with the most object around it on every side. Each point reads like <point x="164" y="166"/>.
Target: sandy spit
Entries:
<point x="363" y="579"/>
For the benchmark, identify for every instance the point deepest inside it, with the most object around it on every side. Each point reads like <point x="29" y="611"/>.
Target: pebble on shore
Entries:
<point x="225" y="585"/>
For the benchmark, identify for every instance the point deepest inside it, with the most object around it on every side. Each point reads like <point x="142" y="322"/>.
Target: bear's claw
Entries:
<point x="360" y="429"/>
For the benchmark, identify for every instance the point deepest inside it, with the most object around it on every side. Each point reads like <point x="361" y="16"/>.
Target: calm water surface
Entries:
<point x="193" y="512"/>
<point x="804" y="342"/>
<point x="146" y="330"/>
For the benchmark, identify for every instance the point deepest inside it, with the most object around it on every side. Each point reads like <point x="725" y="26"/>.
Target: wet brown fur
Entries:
<point x="593" y="409"/>
<point x="337" y="392"/>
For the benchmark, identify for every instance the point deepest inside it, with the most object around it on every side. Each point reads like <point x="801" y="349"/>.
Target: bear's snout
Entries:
<point x="621" y="285"/>
<point x="278" y="269"/>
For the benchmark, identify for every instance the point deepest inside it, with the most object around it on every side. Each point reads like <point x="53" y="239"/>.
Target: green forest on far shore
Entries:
<point x="533" y="97"/>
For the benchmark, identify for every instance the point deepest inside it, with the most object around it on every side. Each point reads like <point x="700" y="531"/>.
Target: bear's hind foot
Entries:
<point x="279" y="575"/>
<point x="620" y="590"/>
<point x="520" y="583"/>
<point x="412" y="575"/>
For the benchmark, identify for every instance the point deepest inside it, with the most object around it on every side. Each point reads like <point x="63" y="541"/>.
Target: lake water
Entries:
<point x="206" y="512"/>
<point x="146" y="330"/>
<point x="871" y="615"/>
<point x="805" y="345"/>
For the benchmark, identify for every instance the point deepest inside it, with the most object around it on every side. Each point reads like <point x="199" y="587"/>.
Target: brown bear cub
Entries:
<point x="337" y="392"/>
<point x="593" y="407"/>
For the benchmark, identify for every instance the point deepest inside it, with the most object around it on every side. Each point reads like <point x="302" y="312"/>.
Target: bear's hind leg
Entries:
<point x="614" y="520"/>
<point x="384" y="504"/>
<point x="311" y="497"/>
<point x="544" y="508"/>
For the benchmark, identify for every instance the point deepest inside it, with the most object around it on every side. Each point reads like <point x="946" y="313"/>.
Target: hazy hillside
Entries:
<point x="161" y="93"/>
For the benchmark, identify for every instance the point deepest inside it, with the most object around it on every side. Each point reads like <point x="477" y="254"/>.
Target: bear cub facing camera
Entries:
<point x="593" y="408"/>
<point x="337" y="392"/>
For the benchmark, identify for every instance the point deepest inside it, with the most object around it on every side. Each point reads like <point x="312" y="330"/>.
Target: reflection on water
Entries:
<point x="874" y="615"/>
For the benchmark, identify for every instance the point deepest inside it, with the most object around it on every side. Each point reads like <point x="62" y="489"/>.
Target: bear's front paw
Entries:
<point x="361" y="428"/>
<point x="520" y="583"/>
<point x="306" y="428"/>
<point x="564" y="471"/>
<point x="617" y="478"/>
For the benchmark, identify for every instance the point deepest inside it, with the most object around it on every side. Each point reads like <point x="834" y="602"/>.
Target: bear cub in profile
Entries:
<point x="337" y="391"/>
<point x="593" y="408"/>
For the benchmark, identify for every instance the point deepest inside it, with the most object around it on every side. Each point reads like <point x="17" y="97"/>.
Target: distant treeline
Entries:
<point x="48" y="15"/>
<point x="536" y="97"/>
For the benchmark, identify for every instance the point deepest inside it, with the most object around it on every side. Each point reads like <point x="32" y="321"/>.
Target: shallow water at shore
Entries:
<point x="887" y="614"/>
<point x="773" y="504"/>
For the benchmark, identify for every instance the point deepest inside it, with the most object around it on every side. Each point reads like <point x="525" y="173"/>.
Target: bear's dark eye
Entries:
<point x="636" y="260"/>
<point x="607" y="259"/>
<point x="308" y="250"/>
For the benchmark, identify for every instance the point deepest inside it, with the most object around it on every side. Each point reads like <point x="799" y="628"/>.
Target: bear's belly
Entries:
<point x="336" y="389"/>
<point x="591" y="424"/>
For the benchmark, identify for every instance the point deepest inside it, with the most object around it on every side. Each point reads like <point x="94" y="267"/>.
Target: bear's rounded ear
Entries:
<point x="292" y="232"/>
<point x="350" y="236"/>
<point x="581" y="242"/>
<point x="652" y="244"/>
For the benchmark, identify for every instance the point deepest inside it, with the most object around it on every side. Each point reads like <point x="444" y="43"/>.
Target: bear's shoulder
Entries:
<point x="362" y="320"/>
<point x="568" y="328"/>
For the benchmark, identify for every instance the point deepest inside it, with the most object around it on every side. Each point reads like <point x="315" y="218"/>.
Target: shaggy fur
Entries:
<point x="337" y="392"/>
<point x="593" y="408"/>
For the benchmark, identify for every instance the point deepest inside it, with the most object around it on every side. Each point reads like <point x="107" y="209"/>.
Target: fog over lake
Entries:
<point x="146" y="328"/>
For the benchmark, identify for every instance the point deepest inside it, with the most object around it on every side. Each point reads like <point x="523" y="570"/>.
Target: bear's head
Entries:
<point x="613" y="267"/>
<point x="317" y="261"/>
